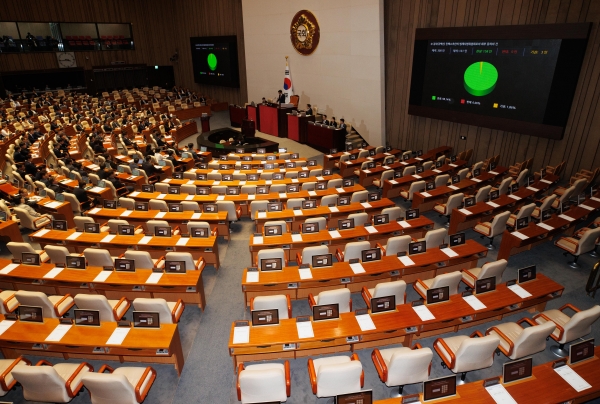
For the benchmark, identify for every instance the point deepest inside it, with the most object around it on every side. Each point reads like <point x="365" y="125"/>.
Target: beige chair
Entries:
<point x="280" y="223"/>
<point x="416" y="186"/>
<point x="352" y="250"/>
<point x="578" y="185"/>
<point x="255" y="206"/>
<point x="294" y="203"/>
<point x="329" y="200"/>
<point x="577" y="247"/>
<point x="395" y="288"/>
<point x="187" y="258"/>
<point x="517" y="341"/>
<point x="18" y="248"/>
<point x="58" y="254"/>
<point x="441" y="180"/>
<point x="434" y="238"/>
<point x="204" y="225"/>
<point x="113" y="226"/>
<point x="80" y="222"/>
<point x="395" y="245"/>
<point x="143" y="260"/>
<point x="52" y="306"/>
<point x="394" y="213"/>
<point x="282" y="303"/>
<point x="320" y="221"/>
<point x="7" y="380"/>
<point x="504" y="186"/>
<point x="168" y="312"/>
<point x="127" y="203"/>
<point x="462" y="353"/>
<point x="521" y="178"/>
<point x="272" y="253"/>
<point x="386" y="175"/>
<point x="75" y="204"/>
<point x="335" y="375"/>
<point x="525" y="211"/>
<point x="127" y="385"/>
<point x="403" y="365"/>
<point x="157" y="204"/>
<point x="360" y="219"/>
<point x="31" y="222"/>
<point x="309" y="252"/>
<point x="494" y="228"/>
<point x="359" y="196"/>
<point x="568" y="328"/>
<point x="453" y="202"/>
<point x="98" y="257"/>
<point x="151" y="225"/>
<point x="264" y="382"/>
<point x="450" y="279"/>
<point x="547" y="203"/>
<point x="489" y="269"/>
<point x="49" y="383"/>
<point x="336" y="296"/>
<point x="483" y="193"/>
<point x="110" y="310"/>
<point x="8" y="301"/>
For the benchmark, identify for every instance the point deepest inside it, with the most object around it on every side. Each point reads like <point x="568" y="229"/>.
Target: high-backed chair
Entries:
<point x="339" y="296"/>
<point x="190" y="206"/>
<point x="386" y="175"/>
<point x="416" y="186"/>
<point x="17" y="249"/>
<point x="187" y="258"/>
<point x="294" y="203"/>
<point x="359" y="218"/>
<point x="282" y="303"/>
<point x="453" y="202"/>
<point x="335" y="183"/>
<point x="493" y="228"/>
<point x="394" y="213"/>
<point x="270" y="254"/>
<point x="76" y="206"/>
<point x="578" y="185"/>
<point x="113" y="226"/>
<point x="517" y="341"/>
<point x="395" y="288"/>
<point x="524" y="211"/>
<point x="110" y="310"/>
<point x="49" y="383"/>
<point x="463" y="173"/>
<point x="352" y="250"/>
<point x="568" y="328"/>
<point x="168" y="312"/>
<point x="489" y="269"/>
<point x="80" y="222"/>
<point x="450" y="279"/>
<point x="403" y="365"/>
<point x="128" y="385"/>
<point x="309" y="252"/>
<point x="329" y="200"/>
<point x="157" y="204"/>
<point x="504" y="186"/>
<point x="441" y="180"/>
<point x="7" y="380"/>
<point x="462" y="353"/>
<point x="577" y="247"/>
<point x="218" y="189"/>
<point x="320" y="221"/>
<point x="334" y="375"/>
<point x="233" y="213"/>
<point x="8" y="302"/>
<point x="395" y="245"/>
<point x="521" y="178"/>
<point x="143" y="260"/>
<point x="52" y="306"/>
<point x="427" y="165"/>
<point x="31" y="222"/>
<point x="264" y="382"/>
<point x="205" y="225"/>
<point x="127" y="203"/>
<point x="58" y="254"/>
<point x="483" y="193"/>
<point x="547" y="203"/>
<point x="410" y="170"/>
<point x="98" y="257"/>
<point x="359" y="196"/>
<point x="255" y="206"/>
<point x="434" y="238"/>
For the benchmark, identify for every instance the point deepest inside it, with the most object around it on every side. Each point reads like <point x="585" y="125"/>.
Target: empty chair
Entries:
<point x="359" y="218"/>
<point x="96" y="257"/>
<point x="157" y="204"/>
<point x="310" y="186"/>
<point x="416" y="186"/>
<point x="309" y="252"/>
<point x="489" y="269"/>
<point x="504" y="186"/>
<point x="394" y="213"/>
<point x="218" y="189"/>
<point x="462" y="353"/>
<point x="403" y="365"/>
<point x="110" y="310"/>
<point x="329" y="200"/>
<point x="450" y="279"/>
<point x="335" y="183"/>
<point x="524" y="211"/>
<point x="406" y="153"/>
<point x="568" y="328"/>
<point x="18" y="248"/>
<point x="352" y="250"/>
<point x="281" y="223"/>
<point x="264" y="382"/>
<point x="427" y="165"/>
<point x="52" y="306"/>
<point x="359" y="196"/>
<point x="31" y="222"/>
<point x="410" y="170"/>
<point x="517" y="342"/>
<point x="272" y="253"/>
<point x="80" y="222"/>
<point x="204" y="225"/>
<point x="168" y="312"/>
<point x="316" y="172"/>
<point x="255" y="206"/>
<point x="49" y="383"/>
<point x="214" y="176"/>
<point x="393" y="288"/>
<point x="233" y="213"/>
<point x="189" y="189"/>
<point x="76" y="206"/>
<point x="435" y="237"/>
<point x="577" y="247"/>
<point x="441" y="180"/>
<point x="363" y="154"/>
<point x="386" y="175"/>
<point x="321" y="221"/>
<point x="395" y="245"/>
<point x="278" y="188"/>
<point x="291" y="174"/>
<point x="483" y="193"/>
<point x="143" y="260"/>
<point x="547" y="203"/>
<point x="57" y="254"/>
<point x="189" y="206"/>
<point x="248" y="189"/>
<point x="127" y="203"/>
<point x="453" y="202"/>
<point x="343" y="157"/>
<point x="151" y="225"/>
<point x="336" y="296"/>
<point x="187" y="258"/>
<point x="122" y="385"/>
<point x="578" y="185"/>
<point x="282" y="303"/>
<point x="7" y="380"/>
<point x="521" y="178"/>
<point x="334" y="375"/>
<point x="493" y="228"/>
<point x="294" y="203"/>
<point x="161" y="187"/>
<point x="462" y="173"/>
<point x="113" y="225"/>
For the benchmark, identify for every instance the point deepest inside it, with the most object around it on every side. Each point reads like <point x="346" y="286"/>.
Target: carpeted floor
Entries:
<point x="208" y="376"/>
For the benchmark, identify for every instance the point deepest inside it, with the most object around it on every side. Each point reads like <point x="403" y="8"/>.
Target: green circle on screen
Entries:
<point x="212" y="61"/>
<point x="480" y="78"/>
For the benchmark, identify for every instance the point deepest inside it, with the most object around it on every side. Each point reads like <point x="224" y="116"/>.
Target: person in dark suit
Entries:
<point x="95" y="119"/>
<point x="280" y="97"/>
<point x="325" y="121"/>
<point x="342" y="123"/>
<point x="149" y="168"/>
<point x="82" y="197"/>
<point x="107" y="127"/>
<point x="309" y="110"/>
<point x="333" y="122"/>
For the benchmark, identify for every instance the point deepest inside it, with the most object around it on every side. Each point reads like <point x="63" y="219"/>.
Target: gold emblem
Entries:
<point x="304" y="32"/>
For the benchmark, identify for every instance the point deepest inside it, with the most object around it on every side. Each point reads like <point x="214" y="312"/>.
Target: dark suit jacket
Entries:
<point x="281" y="99"/>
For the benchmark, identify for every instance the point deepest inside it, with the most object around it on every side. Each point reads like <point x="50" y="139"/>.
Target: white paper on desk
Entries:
<point x="369" y="158"/>
<point x="404" y="224"/>
<point x="282" y="195"/>
<point x="569" y="218"/>
<point x="182" y="241"/>
<point x="452" y="165"/>
<point x="546" y="181"/>
<point x="418" y="158"/>
<point x="221" y="198"/>
<point x="475" y="179"/>
<point x="160" y="214"/>
<point x="73" y="236"/>
<point x="236" y="171"/>
<point x="96" y="210"/>
<point x="108" y="239"/>
<point x="196" y="215"/>
<point x="127" y="213"/>
<point x="312" y="193"/>
<point x="493" y="172"/>
<point x="305" y="273"/>
<point x="320" y="178"/>
<point x="294" y="179"/>
<point x="252" y="276"/>
<point x="492" y="204"/>
<point x="216" y="182"/>
<point x="518" y="198"/>
<point x="5" y="325"/>
<point x="371" y="229"/>
<point x="190" y="182"/>
<point x="189" y="198"/>
<point x="404" y="163"/>
<point x="53" y="272"/>
<point x="357" y="268"/>
<point x="214" y="171"/>
<point x="102" y="276"/>
<point x="500" y="395"/>
<point x="416" y="176"/>
<point x="59" y="332"/>
<point x="241" y="335"/>
<point x="449" y="252"/>
<point x="257" y="240"/>
<point x="593" y="198"/>
<point x="118" y="336"/>
<point x="282" y="170"/>
<point x="387" y="154"/>
<point x="154" y="277"/>
<point x="145" y="240"/>
<point x="333" y="209"/>
<point x="329" y="156"/>
<point x="586" y="207"/>
<point x="393" y="182"/>
<point x="452" y="187"/>
<point x="259" y="170"/>
<point x="519" y="291"/>
<point x="41" y="233"/>
<point x="435" y="170"/>
<point x="386" y="167"/>
<point x="161" y="196"/>
<point x="251" y="197"/>
<point x="424" y="313"/>
<point x="261" y="215"/>
<point x="367" y="171"/>
<point x="519" y="235"/>
<point x="334" y="234"/>
<point x="242" y="182"/>
<point x="97" y="189"/>
<point x="405" y="260"/>
<point x="465" y="212"/>
<point x="571" y="377"/>
<point x="167" y="180"/>
<point x="268" y="182"/>
<point x="474" y="302"/>
<point x="340" y="190"/>
<point x="545" y="226"/>
<point x="426" y="194"/>
<point x="532" y="189"/>
<point x="8" y="268"/>
<point x="365" y="322"/>
<point x="305" y="329"/>
<point x="296" y="238"/>
<point x="365" y="204"/>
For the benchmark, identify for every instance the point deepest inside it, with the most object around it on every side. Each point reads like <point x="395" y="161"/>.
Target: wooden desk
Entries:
<point x="273" y="119"/>
<point x="298" y="127"/>
<point x="347" y="167"/>
<point x="418" y="228"/>
<point x="428" y="265"/>
<point x="325" y="138"/>
<point x="59" y="210"/>
<point x="188" y="287"/>
<point x="186" y="130"/>
<point x="239" y="183"/>
<point x="9" y="231"/>
<point x="199" y="247"/>
<point x="252" y="171"/>
<point x="140" y="345"/>
<point x="191" y="113"/>
<point x="329" y="160"/>
<point x="391" y="327"/>
<point x="236" y="115"/>
<point x="255" y="164"/>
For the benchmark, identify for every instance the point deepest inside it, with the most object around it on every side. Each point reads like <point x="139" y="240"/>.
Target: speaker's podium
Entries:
<point x="325" y="138"/>
<point x="205" y="120"/>
<point x="248" y="128"/>
<point x="298" y="126"/>
<point x="273" y="119"/>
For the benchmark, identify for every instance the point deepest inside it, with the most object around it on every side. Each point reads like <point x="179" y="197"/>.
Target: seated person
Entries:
<point x="81" y="195"/>
<point x="118" y="184"/>
<point x="20" y="201"/>
<point x="149" y="168"/>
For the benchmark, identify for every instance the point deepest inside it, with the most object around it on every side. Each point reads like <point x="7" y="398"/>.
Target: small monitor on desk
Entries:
<point x="455" y="179"/>
<point x="273" y="230"/>
<point x="148" y="188"/>
<point x="73" y="175"/>
<point x="30" y="259"/>
<point x="345" y="224"/>
<point x="271" y="264"/>
<point x="202" y="190"/>
<point x="310" y="204"/>
<point x="322" y="260"/>
<point x="163" y="231"/>
<point x="141" y="206"/>
<point x="457" y="239"/>
<point x="527" y="274"/>
<point x="59" y="225"/>
<point x="514" y="188"/>
<point x="546" y="215"/>
<point x="239" y="150"/>
<point x="361" y="397"/>
<point x="87" y="317"/>
<point x="262" y="189"/>
<point x="227" y="177"/>
<point x="522" y="223"/>
<point x="383" y="304"/>
<point x="108" y="204"/>
<point x="278" y="176"/>
<point x="173" y="190"/>
<point x="292" y="188"/>
<point x="43" y="193"/>
<point x="321" y="186"/>
<point x="374" y="196"/>
<point x="348" y="183"/>
<point x="469" y="201"/>
<point x="420" y="169"/>
<point x="120" y="169"/>
<point x="326" y="312"/>
<point x="232" y="191"/>
<point x="32" y="314"/>
<point x="581" y="351"/>
<point x="283" y="150"/>
<point x="201" y="177"/>
<point x="210" y="208"/>
<point x="291" y="164"/>
<point x="494" y="195"/>
<point x="126" y="230"/>
<point x="417" y="247"/>
<point x="372" y="254"/>
<point x="246" y="167"/>
<point x="517" y="370"/>
<point x="102" y="184"/>
<point x="162" y="163"/>
<point x="60" y="198"/>
<point x="261" y="150"/>
<point x="75" y="262"/>
<point x="438" y="295"/>
<point x="381" y="219"/>
<point x="344" y="200"/>
<point x="310" y="163"/>
<point x="439" y="388"/>
<point x="333" y="151"/>
<point x="175" y="207"/>
<point x="270" y="166"/>
<point x="246" y="158"/>
<point x="412" y="214"/>
<point x="146" y="319"/>
<point x="476" y="172"/>
<point x="485" y="285"/>
<point x="175" y="267"/>
<point x="327" y="171"/>
<point x="371" y="164"/>
<point x="199" y="232"/>
<point x="265" y="317"/>
<point x="429" y="186"/>
<point x="252" y="177"/>
<point x="124" y="265"/>
<point x="135" y="172"/>
<point x="274" y="207"/>
<point x="178" y="176"/>
<point x="310" y="228"/>
<point x="303" y="174"/>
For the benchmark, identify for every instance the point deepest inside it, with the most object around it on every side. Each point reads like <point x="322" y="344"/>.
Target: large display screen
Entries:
<point x="215" y="60"/>
<point x="514" y="78"/>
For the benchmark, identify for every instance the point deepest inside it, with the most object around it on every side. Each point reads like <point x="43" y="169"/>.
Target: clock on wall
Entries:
<point x="66" y="59"/>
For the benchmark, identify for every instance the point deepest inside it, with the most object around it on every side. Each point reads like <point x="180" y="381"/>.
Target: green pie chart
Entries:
<point x="480" y="78"/>
<point x="212" y="61"/>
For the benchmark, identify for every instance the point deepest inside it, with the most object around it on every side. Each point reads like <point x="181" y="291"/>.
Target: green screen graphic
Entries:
<point x="212" y="61"/>
<point x="480" y="78"/>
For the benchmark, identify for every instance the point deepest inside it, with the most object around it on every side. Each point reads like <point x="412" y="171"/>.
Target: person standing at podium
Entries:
<point x="309" y="110"/>
<point x="280" y="97"/>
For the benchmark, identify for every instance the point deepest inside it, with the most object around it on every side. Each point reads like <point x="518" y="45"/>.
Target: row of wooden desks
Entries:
<point x="300" y="162"/>
<point x="329" y="160"/>
<point x="427" y="265"/>
<point x="206" y="248"/>
<point x="251" y="171"/>
<point x="295" y="243"/>
<point x="9" y="231"/>
<point x="188" y="286"/>
<point x="345" y="334"/>
<point x="347" y="167"/>
<point x="238" y="183"/>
